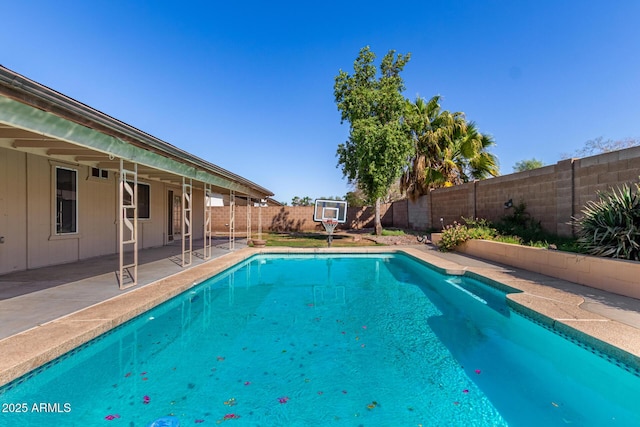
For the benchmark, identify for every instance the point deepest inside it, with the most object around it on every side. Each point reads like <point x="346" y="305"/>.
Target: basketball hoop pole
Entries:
<point x="329" y="226"/>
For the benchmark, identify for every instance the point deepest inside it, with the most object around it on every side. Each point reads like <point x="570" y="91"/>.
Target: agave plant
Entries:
<point x="610" y="226"/>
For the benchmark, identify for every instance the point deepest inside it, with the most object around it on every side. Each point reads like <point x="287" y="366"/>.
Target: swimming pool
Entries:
<point x="329" y="340"/>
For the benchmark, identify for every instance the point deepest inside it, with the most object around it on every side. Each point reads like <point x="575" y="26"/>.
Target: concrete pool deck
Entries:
<point x="45" y="318"/>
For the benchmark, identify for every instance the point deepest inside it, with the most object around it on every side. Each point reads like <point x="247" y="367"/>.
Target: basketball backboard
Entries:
<point x="330" y="210"/>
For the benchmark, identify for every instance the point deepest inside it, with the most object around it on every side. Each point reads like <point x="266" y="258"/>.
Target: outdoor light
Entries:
<point x="508" y="204"/>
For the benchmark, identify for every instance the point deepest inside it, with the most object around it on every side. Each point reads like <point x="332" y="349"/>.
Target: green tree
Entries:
<point x="301" y="201"/>
<point x="355" y="199"/>
<point x="527" y="165"/>
<point x="471" y="156"/>
<point x="432" y="131"/>
<point x="379" y="145"/>
<point x="448" y="149"/>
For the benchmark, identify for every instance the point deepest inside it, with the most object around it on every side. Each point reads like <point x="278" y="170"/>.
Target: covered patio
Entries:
<point x="77" y="184"/>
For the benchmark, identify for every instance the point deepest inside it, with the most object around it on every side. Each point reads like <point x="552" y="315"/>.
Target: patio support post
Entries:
<point x="207" y="221"/>
<point x="128" y="211"/>
<point x="187" y="240"/>
<point x="232" y="220"/>
<point x="248" y="219"/>
<point x="260" y="220"/>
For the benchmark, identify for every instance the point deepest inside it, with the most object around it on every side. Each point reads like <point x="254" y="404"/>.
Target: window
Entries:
<point x="143" y="201"/>
<point x="144" y="207"/>
<point x="99" y="173"/>
<point x="66" y="200"/>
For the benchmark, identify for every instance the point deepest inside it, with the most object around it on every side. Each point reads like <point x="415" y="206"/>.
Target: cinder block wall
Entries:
<point x="273" y="218"/>
<point x="400" y="214"/>
<point x="536" y="188"/>
<point x="553" y="194"/>
<point x="451" y="204"/>
<point x="295" y="218"/>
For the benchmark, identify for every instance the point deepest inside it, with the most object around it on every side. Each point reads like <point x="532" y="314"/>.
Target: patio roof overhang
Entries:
<point x="37" y="119"/>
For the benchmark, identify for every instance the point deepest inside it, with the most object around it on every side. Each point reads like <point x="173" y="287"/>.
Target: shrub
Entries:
<point x="456" y="234"/>
<point x="519" y="223"/>
<point x="453" y="235"/>
<point x="610" y="226"/>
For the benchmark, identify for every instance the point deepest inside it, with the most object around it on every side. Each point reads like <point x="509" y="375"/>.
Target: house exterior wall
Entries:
<point x="197" y="220"/>
<point x="97" y="206"/>
<point x="13" y="204"/>
<point x="27" y="219"/>
<point x="152" y="231"/>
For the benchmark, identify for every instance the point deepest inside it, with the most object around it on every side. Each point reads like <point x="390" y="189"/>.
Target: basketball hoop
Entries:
<point x="329" y="225"/>
<point x="330" y="213"/>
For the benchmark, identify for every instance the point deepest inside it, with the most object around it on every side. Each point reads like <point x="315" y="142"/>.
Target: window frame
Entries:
<point x="102" y="174"/>
<point x="57" y="227"/>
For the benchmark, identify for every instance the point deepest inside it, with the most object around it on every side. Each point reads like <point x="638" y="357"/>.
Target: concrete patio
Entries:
<point x="34" y="297"/>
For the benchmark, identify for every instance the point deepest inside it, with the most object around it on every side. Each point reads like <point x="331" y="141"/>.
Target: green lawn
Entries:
<point x="313" y="240"/>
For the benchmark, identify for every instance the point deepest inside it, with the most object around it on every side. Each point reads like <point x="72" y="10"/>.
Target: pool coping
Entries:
<point x="551" y="307"/>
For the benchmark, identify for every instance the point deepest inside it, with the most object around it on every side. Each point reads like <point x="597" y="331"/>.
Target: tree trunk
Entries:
<point x="378" y="223"/>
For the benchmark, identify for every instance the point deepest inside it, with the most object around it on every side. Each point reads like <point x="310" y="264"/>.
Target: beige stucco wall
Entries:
<point x="152" y="231"/>
<point x="27" y="214"/>
<point x="611" y="275"/>
<point x="13" y="204"/>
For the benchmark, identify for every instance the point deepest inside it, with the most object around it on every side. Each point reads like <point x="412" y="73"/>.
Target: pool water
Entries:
<point x="316" y="340"/>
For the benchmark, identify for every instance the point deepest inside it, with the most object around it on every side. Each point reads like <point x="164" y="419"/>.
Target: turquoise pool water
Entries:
<point x="329" y="341"/>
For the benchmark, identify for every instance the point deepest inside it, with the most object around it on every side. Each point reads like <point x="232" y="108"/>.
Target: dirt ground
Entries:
<point x="367" y="233"/>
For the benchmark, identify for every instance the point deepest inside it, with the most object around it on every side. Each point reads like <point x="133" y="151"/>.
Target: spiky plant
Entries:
<point x="610" y="226"/>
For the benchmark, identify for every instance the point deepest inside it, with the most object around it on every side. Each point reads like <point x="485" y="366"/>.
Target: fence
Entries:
<point x="294" y="218"/>
<point x="553" y="195"/>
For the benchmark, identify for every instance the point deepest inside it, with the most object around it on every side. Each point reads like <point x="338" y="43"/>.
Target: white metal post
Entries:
<point x="207" y="221"/>
<point x="260" y="220"/>
<point x="232" y="220"/>
<point x="187" y="241"/>
<point x="248" y="219"/>
<point x="131" y="206"/>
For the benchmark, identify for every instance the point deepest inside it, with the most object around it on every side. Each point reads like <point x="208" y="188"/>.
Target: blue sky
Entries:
<point x="249" y="85"/>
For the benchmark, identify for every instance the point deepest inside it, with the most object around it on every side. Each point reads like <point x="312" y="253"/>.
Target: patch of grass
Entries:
<point x="392" y="232"/>
<point x="313" y="240"/>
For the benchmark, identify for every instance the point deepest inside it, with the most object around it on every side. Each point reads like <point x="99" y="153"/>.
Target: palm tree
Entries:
<point x="433" y="132"/>
<point x="471" y="157"/>
<point x="449" y="150"/>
